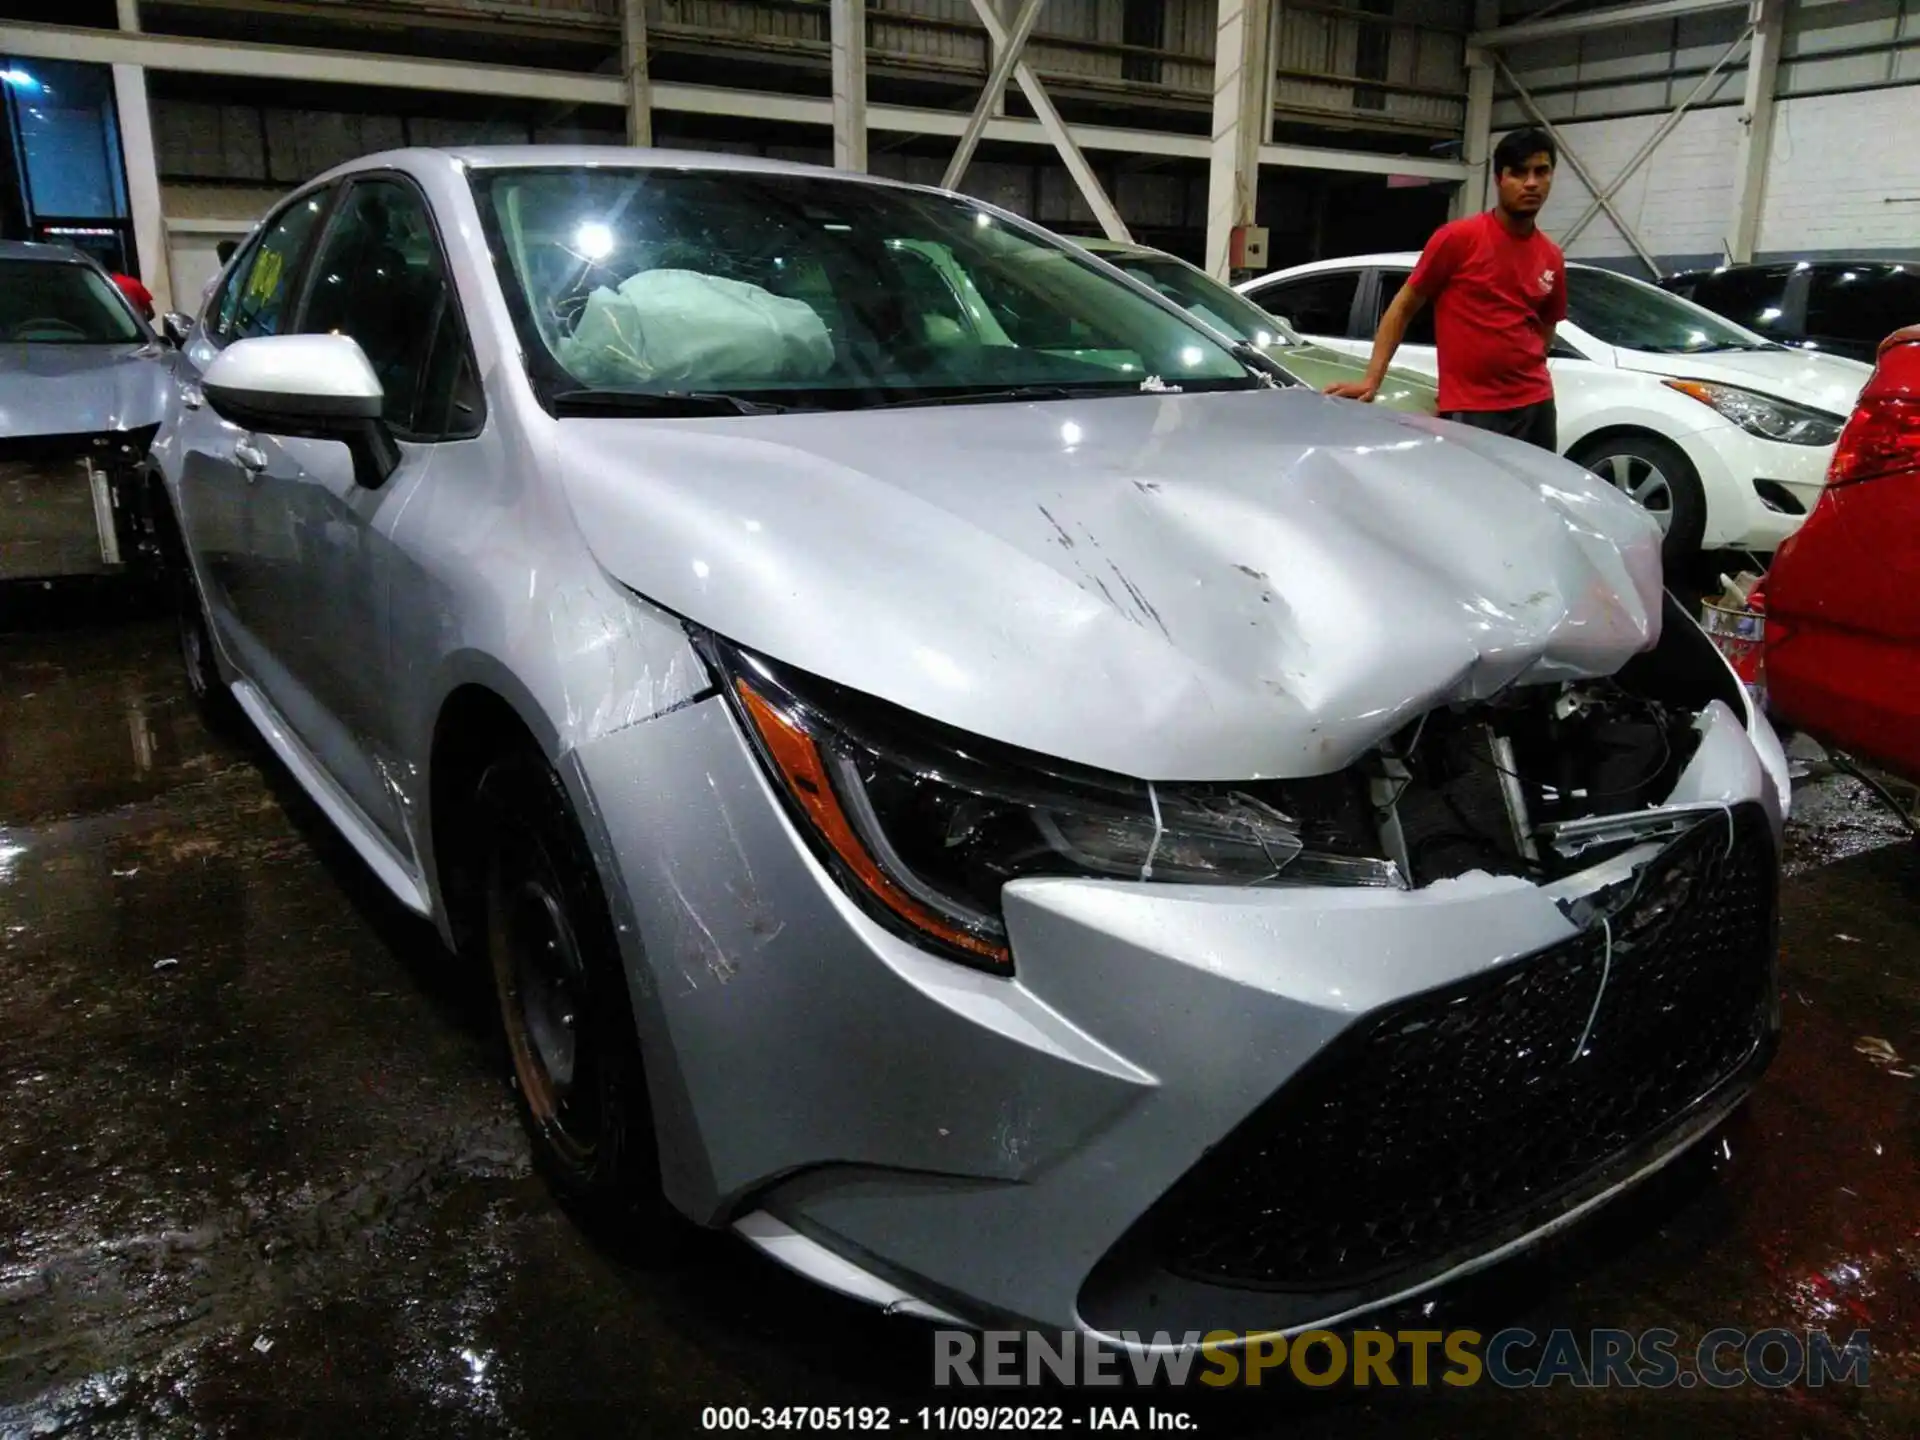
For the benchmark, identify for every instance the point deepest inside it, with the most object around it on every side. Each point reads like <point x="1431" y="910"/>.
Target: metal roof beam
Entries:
<point x="1525" y="32"/>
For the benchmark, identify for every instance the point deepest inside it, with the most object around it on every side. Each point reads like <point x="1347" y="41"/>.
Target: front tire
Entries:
<point x="194" y="635"/>
<point x="566" y="1014"/>
<point x="1656" y="476"/>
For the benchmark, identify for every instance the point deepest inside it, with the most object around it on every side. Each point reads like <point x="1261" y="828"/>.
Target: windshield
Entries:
<point x="53" y="302"/>
<point x="1622" y="311"/>
<point x="800" y="290"/>
<point x="1194" y="290"/>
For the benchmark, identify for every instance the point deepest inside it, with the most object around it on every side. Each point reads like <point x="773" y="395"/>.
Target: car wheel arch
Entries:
<point x="1592" y="440"/>
<point x="474" y="725"/>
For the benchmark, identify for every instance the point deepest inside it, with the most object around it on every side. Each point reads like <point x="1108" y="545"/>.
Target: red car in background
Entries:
<point x="1843" y="594"/>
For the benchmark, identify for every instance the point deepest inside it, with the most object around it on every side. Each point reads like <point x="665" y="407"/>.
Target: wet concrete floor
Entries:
<point x="259" y="1176"/>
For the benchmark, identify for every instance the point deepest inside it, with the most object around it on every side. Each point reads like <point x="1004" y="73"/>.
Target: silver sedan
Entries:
<point x="990" y="791"/>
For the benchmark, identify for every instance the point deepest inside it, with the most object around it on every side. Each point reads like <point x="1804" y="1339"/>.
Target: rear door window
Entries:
<point x="1863" y="303"/>
<point x="1420" y="328"/>
<point x="1755" y="297"/>
<point x="1319" y="304"/>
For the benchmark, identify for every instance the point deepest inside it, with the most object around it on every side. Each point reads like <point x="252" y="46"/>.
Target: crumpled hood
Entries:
<point x="1826" y="382"/>
<point x="1180" y="587"/>
<point x="79" y="389"/>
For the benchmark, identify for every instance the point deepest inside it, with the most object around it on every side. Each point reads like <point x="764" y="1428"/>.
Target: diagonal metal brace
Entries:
<point x="1010" y="51"/>
<point x="1051" y="124"/>
<point x="1567" y="153"/>
<point x="1654" y="140"/>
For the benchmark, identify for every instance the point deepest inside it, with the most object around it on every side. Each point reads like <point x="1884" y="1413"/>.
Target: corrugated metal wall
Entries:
<point x="1839" y="45"/>
<point x="772" y="23"/>
<point x="950" y="48"/>
<point x="1832" y="46"/>
<point x="562" y="11"/>
<point x="239" y="143"/>
<point x="1847" y="81"/>
<point x="1426" y="50"/>
<point x="1415" y="43"/>
<point x="235" y="143"/>
<point x="1189" y="31"/>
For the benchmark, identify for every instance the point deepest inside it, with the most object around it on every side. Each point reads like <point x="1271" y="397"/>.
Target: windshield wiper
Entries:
<point x="1254" y="358"/>
<point x="660" y="402"/>
<point x="1012" y="392"/>
<point x="1716" y="349"/>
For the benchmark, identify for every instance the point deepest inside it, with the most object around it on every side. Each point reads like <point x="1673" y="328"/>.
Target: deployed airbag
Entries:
<point x="682" y="327"/>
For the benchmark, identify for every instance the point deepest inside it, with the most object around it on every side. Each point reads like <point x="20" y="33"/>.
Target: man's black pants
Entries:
<point x="1535" y="424"/>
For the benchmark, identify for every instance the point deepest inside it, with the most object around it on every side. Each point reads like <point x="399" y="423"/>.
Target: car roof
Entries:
<point x="1394" y="258"/>
<point x="1349" y="262"/>
<point x="36" y="250"/>
<point x="548" y="157"/>
<point x="1878" y="263"/>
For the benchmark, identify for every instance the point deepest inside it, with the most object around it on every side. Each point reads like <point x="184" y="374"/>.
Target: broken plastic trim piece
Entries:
<point x="806" y="1256"/>
<point x="1571" y="837"/>
<point x="1501" y="749"/>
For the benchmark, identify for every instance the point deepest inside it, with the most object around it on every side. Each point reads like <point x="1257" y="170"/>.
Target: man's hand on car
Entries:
<point x="1354" y="389"/>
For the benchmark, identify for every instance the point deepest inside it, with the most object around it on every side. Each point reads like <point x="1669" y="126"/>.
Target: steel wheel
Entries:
<point x="542" y="983"/>
<point x="566" y="1012"/>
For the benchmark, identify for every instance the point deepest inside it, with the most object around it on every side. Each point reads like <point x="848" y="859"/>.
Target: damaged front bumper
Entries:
<point x="71" y="505"/>
<point x="1191" y="1106"/>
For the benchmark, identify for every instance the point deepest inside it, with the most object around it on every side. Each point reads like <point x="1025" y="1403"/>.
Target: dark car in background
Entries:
<point x="83" y="385"/>
<point x="1844" y="307"/>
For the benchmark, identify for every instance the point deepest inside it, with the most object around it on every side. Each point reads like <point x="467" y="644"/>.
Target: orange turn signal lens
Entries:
<point x="794" y="754"/>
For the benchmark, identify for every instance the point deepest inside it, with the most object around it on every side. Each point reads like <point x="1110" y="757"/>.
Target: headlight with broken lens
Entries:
<point x="923" y="825"/>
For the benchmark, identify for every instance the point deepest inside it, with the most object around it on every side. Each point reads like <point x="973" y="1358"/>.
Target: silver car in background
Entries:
<point x="83" y="385"/>
<point x="1046" y="821"/>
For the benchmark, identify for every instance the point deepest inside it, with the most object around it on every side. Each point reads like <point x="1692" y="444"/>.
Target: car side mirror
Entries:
<point x="313" y="387"/>
<point x="176" y="328"/>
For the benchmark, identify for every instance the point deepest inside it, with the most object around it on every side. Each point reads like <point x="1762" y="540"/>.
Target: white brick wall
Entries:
<point x="1678" y="200"/>
<point x="1818" y="197"/>
<point x="1836" y="163"/>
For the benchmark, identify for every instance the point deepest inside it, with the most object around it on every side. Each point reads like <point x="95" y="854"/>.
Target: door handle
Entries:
<point x="251" y="458"/>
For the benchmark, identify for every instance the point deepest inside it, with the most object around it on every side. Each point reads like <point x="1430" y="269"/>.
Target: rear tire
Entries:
<point x="1660" y="479"/>
<point x="195" y="636"/>
<point x="566" y="1014"/>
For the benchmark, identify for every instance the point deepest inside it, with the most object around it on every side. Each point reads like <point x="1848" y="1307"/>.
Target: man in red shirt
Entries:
<point x="1498" y="288"/>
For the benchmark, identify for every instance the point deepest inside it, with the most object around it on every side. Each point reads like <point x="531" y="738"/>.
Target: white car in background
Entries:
<point x="1722" y="434"/>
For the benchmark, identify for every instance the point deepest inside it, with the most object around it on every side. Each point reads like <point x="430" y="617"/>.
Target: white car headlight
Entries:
<point x="1763" y="415"/>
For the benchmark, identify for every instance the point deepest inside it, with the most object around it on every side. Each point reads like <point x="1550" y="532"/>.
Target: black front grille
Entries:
<point x="1453" y="1116"/>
